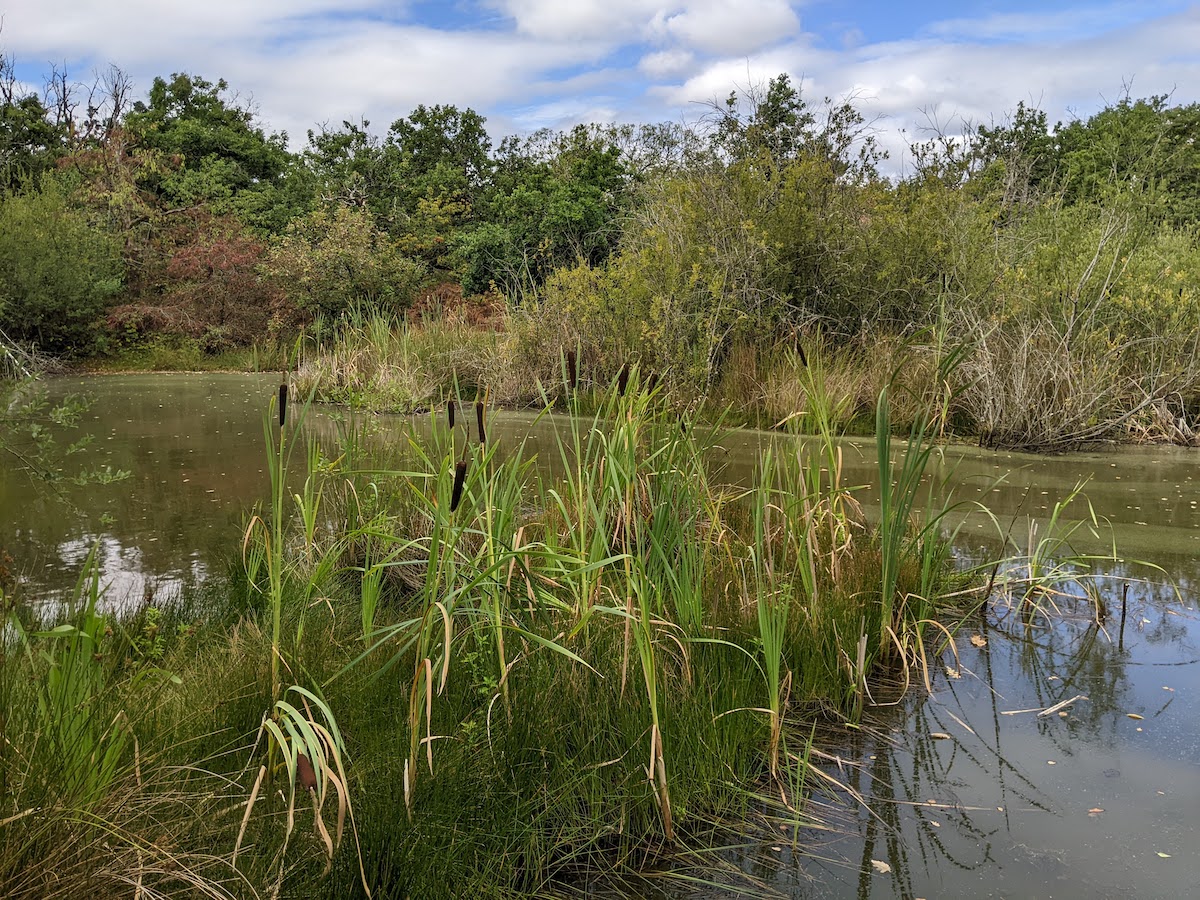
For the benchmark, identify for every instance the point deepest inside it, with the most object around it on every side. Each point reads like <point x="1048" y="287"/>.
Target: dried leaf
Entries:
<point x="1095" y="812"/>
<point x="1051" y="762"/>
<point x="1160" y="853"/>
<point x="978" y="640"/>
<point x="1135" y="717"/>
<point x="940" y="736"/>
<point x="952" y="672"/>
<point x="883" y="868"/>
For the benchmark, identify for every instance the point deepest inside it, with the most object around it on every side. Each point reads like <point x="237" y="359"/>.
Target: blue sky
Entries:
<point x="551" y="63"/>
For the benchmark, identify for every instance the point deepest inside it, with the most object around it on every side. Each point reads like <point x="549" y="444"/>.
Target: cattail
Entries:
<point x="479" y="409"/>
<point x="572" y="369"/>
<point x="450" y="413"/>
<point x="623" y="380"/>
<point x="305" y="775"/>
<point x="460" y="478"/>
<point x="282" y="404"/>
<point x="651" y="382"/>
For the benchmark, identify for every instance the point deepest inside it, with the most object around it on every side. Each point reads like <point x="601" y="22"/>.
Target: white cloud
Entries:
<point x="721" y="27"/>
<point x="912" y="85"/>
<point x="556" y="62"/>
<point x="666" y="63"/>
<point x="558" y="20"/>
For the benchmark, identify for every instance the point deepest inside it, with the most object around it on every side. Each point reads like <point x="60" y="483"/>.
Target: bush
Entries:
<point x="333" y="260"/>
<point x="57" y="272"/>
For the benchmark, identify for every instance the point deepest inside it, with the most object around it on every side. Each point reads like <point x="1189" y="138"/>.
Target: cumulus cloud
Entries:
<point x="533" y="63"/>
<point x="666" y="63"/>
<point x="725" y="28"/>
<point x="558" y="20"/>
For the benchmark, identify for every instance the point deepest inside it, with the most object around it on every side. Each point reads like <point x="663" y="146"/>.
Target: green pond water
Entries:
<point x="1092" y="804"/>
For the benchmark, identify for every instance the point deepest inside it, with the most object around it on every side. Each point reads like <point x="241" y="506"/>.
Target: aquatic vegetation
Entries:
<point x="567" y="667"/>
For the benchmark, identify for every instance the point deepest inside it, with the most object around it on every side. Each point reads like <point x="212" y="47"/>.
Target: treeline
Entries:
<point x="1056" y="267"/>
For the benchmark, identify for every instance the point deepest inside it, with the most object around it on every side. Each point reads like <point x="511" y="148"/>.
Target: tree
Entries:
<point x="349" y="167"/>
<point x="554" y="201"/>
<point x="29" y="142"/>
<point x="336" y="258"/>
<point x="437" y="163"/>
<point x="220" y="150"/>
<point x="773" y="120"/>
<point x="57" y="271"/>
<point x="210" y="289"/>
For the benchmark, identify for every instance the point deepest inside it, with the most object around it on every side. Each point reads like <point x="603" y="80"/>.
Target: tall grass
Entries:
<point x="537" y="671"/>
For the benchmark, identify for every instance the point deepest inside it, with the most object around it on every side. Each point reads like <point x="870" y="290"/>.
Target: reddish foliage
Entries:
<point x="209" y="288"/>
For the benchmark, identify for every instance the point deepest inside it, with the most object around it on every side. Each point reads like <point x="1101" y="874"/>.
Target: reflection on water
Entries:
<point x="1092" y="803"/>
<point x="1096" y="800"/>
<point x="193" y="444"/>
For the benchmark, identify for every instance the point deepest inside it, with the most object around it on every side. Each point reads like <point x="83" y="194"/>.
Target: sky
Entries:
<point x="526" y="64"/>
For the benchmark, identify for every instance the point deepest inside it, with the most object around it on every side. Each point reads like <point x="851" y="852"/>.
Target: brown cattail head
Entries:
<point x="572" y="370"/>
<point x="460" y="478"/>
<point x="450" y="413"/>
<point x="306" y="777"/>
<point x="479" y="411"/>
<point x="652" y="382"/>
<point x="283" y="391"/>
<point x="623" y="380"/>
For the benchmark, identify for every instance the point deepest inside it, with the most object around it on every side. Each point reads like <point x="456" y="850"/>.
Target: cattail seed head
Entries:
<point x="652" y="382"/>
<point x="479" y="416"/>
<point x="306" y="776"/>
<point x="450" y="413"/>
<point x="460" y="478"/>
<point x="623" y="380"/>
<point x="572" y="369"/>
<point x="283" y="392"/>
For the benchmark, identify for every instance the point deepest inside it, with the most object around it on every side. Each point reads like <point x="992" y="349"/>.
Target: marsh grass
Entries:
<point x="470" y="674"/>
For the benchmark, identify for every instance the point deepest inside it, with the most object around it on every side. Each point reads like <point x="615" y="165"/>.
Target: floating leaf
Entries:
<point x="1160" y="853"/>
<point x="940" y="736"/>
<point x="1051" y="762"/>
<point x="1135" y="717"/>
<point x="1095" y="812"/>
<point x="978" y="640"/>
<point x="883" y="868"/>
<point x="952" y="672"/>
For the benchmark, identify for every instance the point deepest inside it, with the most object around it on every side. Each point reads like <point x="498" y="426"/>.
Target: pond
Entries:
<point x="969" y="791"/>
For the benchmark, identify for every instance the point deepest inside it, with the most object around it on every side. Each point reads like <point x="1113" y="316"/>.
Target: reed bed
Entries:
<point x="467" y="676"/>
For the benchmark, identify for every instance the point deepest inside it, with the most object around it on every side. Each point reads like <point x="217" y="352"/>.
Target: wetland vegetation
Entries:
<point x="447" y="667"/>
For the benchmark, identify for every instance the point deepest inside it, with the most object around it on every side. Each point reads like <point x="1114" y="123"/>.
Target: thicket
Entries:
<point x="1062" y="258"/>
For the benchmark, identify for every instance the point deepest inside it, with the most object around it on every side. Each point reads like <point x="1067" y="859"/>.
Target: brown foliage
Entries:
<point x="209" y="289"/>
<point x="445" y="302"/>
